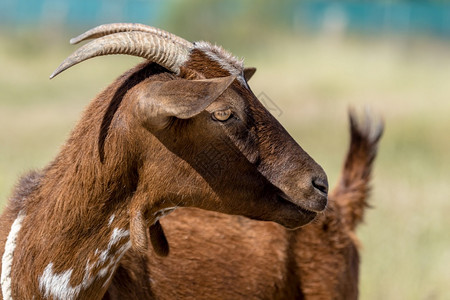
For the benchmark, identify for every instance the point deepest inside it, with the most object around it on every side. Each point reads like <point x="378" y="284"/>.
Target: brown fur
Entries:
<point x="216" y="256"/>
<point x="138" y="149"/>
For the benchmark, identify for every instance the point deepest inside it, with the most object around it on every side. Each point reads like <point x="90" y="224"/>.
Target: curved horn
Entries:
<point x="107" y="29"/>
<point x="164" y="52"/>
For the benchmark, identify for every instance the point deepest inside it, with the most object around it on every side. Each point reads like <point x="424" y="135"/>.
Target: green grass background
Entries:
<point x="406" y="241"/>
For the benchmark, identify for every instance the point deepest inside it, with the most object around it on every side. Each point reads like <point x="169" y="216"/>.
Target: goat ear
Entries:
<point x="158" y="239"/>
<point x="179" y="98"/>
<point x="248" y="73"/>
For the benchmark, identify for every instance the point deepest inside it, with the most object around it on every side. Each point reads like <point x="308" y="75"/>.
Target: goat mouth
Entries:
<point x="283" y="197"/>
<point x="285" y="212"/>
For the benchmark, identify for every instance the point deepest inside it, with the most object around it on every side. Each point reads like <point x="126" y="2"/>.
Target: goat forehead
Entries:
<point x="224" y="58"/>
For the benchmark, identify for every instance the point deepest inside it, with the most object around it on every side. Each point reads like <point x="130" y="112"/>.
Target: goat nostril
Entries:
<point x="320" y="185"/>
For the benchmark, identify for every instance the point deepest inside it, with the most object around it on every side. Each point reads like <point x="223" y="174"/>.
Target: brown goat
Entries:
<point x="138" y="152"/>
<point x="217" y="256"/>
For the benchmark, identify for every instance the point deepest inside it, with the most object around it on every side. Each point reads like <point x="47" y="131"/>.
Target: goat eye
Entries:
<point x="222" y="115"/>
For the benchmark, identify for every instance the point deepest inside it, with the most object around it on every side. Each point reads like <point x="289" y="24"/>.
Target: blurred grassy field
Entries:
<point x="406" y="252"/>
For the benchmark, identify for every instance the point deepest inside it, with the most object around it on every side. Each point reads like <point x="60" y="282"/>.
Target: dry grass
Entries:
<point x="406" y="252"/>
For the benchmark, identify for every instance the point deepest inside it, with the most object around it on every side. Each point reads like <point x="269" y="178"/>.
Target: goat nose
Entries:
<point x="321" y="185"/>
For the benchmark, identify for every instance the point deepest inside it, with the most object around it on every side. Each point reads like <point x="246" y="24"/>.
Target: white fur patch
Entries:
<point x="7" y="258"/>
<point x="111" y="219"/>
<point x="114" y="262"/>
<point x="58" y="285"/>
<point x="116" y="236"/>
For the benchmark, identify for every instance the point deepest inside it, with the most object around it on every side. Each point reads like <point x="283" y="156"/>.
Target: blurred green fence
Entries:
<point x="417" y="17"/>
<point x="75" y="12"/>
<point x="374" y="17"/>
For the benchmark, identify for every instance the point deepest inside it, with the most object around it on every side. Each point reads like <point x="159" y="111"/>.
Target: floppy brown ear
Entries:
<point x="248" y="73"/>
<point x="180" y="98"/>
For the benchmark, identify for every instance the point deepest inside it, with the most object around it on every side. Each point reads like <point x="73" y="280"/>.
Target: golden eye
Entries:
<point x="222" y="115"/>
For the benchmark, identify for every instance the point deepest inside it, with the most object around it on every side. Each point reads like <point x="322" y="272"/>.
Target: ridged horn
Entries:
<point x="107" y="29"/>
<point x="167" y="53"/>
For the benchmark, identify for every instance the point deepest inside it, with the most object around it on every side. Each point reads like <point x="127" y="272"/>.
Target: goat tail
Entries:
<point x="353" y="188"/>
